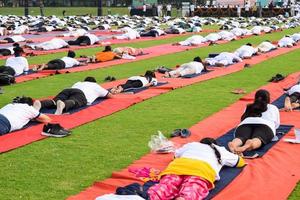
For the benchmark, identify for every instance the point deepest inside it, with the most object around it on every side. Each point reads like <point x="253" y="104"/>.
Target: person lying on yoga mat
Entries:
<point x="266" y="46"/>
<point x="192" y="41"/>
<point x="226" y="35"/>
<point x="19" y="30"/>
<point x="246" y="51"/>
<point x="14" y="39"/>
<point x="223" y="59"/>
<point x="292" y="101"/>
<point x="296" y="37"/>
<point x="85" y="40"/>
<point x="128" y="34"/>
<point x="286" y="41"/>
<point x="7" y="51"/>
<point x="3" y="30"/>
<point x="106" y="55"/>
<point x="194" y="67"/>
<point x="79" y="95"/>
<point x="175" y="30"/>
<point x="63" y="63"/>
<point x="213" y="37"/>
<point x="153" y="32"/>
<point x="16" y="115"/>
<point x="120" y="51"/>
<point x="75" y="33"/>
<point x="18" y="63"/>
<point x="258" y="124"/>
<point x="193" y="171"/>
<point x="55" y="43"/>
<point x="136" y="82"/>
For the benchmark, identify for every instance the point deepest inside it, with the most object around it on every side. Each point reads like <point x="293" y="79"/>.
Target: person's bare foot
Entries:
<point x="60" y="105"/>
<point x="231" y="147"/>
<point x="37" y="105"/>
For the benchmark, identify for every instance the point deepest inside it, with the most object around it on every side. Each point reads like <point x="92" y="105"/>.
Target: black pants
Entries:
<point x="7" y="70"/>
<point x="72" y="97"/>
<point x="80" y="40"/>
<point x="168" y="13"/>
<point x="9" y="40"/>
<point x="151" y="33"/>
<point x="56" y="64"/>
<point x="250" y="131"/>
<point x="5" y="52"/>
<point x="132" y="84"/>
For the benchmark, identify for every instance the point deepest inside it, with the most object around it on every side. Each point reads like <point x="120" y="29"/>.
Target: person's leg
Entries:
<point x="55" y="64"/>
<point x="132" y="84"/>
<point x="193" y="188"/>
<point x="68" y="99"/>
<point x="7" y="70"/>
<point x="242" y="133"/>
<point x="187" y="71"/>
<point x="5" y="52"/>
<point x="47" y="103"/>
<point x="167" y="188"/>
<point x="287" y="104"/>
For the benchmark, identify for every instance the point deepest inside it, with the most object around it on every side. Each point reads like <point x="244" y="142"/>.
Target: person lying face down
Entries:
<point x="14" y="39"/>
<point x="79" y="95"/>
<point x="194" y="67"/>
<point x="129" y="34"/>
<point x="63" y="63"/>
<point x="85" y="40"/>
<point x="286" y="41"/>
<point x="106" y="55"/>
<point x="16" y="115"/>
<point x="223" y="59"/>
<point x="55" y="43"/>
<point x="192" y="41"/>
<point x="266" y="46"/>
<point x="292" y="101"/>
<point x="136" y="82"/>
<point x="258" y="124"/>
<point x="246" y="51"/>
<point x="120" y="51"/>
<point x="193" y="171"/>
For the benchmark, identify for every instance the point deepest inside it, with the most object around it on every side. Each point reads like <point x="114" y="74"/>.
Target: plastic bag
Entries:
<point x="160" y="144"/>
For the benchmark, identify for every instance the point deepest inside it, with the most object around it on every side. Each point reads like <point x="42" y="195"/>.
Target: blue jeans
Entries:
<point x="4" y="125"/>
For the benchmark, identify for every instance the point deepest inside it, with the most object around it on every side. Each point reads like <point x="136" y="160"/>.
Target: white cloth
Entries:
<point x="129" y="35"/>
<point x="286" y="42"/>
<point x="76" y="33"/>
<point x="204" y="152"/>
<point x="144" y="80"/>
<point x="18" y="38"/>
<point x="55" y="43"/>
<point x="93" y="38"/>
<point x="224" y="58"/>
<point x="226" y="35"/>
<point x="193" y="40"/>
<point x="213" y="37"/>
<point x="271" y="118"/>
<point x="245" y="51"/>
<point x="266" y="47"/>
<point x="296" y="37"/>
<point x="19" y="64"/>
<point x="256" y="30"/>
<point x="188" y="69"/>
<point x="20" y="30"/>
<point x="91" y="90"/>
<point x="295" y="88"/>
<point x="18" y="114"/>
<point x="119" y="197"/>
<point x="70" y="62"/>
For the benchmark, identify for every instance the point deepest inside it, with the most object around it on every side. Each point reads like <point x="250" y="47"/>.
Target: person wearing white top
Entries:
<point x="6" y="51"/>
<point x="286" y="41"/>
<point x="198" y="163"/>
<point x="16" y="115"/>
<point x="266" y="46"/>
<point x="226" y="35"/>
<point x="292" y="101"/>
<point x="213" y="37"/>
<point x="79" y="95"/>
<point x="13" y="39"/>
<point x="136" y="82"/>
<point x="192" y="41"/>
<point x="223" y="59"/>
<point x="246" y="51"/>
<point x="87" y="39"/>
<point x="258" y="125"/>
<point x="18" y="63"/>
<point x="169" y="9"/>
<point x="55" y="43"/>
<point x="296" y="37"/>
<point x="194" y="67"/>
<point x="75" y="33"/>
<point x="130" y="34"/>
<point x="19" y="30"/>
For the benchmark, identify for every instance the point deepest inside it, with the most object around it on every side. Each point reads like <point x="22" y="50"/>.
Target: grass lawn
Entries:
<point x="57" y="168"/>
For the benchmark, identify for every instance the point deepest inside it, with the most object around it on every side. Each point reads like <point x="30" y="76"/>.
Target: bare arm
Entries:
<point x="43" y="118"/>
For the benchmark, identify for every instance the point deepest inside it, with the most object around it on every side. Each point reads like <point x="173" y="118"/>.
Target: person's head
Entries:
<point x="150" y="73"/>
<point x="90" y="79"/>
<point x="249" y="44"/>
<point x="17" y="50"/>
<point x="212" y="142"/>
<point x="262" y="96"/>
<point x="107" y="48"/>
<point x="23" y="100"/>
<point x="71" y="54"/>
<point x="197" y="59"/>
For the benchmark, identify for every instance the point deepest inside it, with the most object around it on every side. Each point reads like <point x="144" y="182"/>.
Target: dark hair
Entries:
<point x="197" y="59"/>
<point x="260" y="105"/>
<point x="24" y="100"/>
<point x="71" y="54"/>
<point x="18" y="50"/>
<point x="149" y="75"/>
<point x="212" y="142"/>
<point x="249" y="44"/>
<point x="90" y="79"/>
<point x="107" y="48"/>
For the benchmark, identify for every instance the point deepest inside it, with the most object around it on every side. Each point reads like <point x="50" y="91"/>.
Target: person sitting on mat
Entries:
<point x="55" y="43"/>
<point x="258" y="124"/>
<point x="266" y="46"/>
<point x="223" y="59"/>
<point x="286" y="41"/>
<point x="246" y="51"/>
<point x="18" y="63"/>
<point x="136" y="82"/>
<point x="292" y="101"/>
<point x="192" y="173"/>
<point x="79" y="95"/>
<point x="192" y="41"/>
<point x="16" y="115"/>
<point x="63" y="63"/>
<point x="194" y="67"/>
<point x="85" y="40"/>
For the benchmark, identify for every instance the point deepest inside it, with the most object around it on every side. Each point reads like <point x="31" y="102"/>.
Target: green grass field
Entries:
<point x="58" y="168"/>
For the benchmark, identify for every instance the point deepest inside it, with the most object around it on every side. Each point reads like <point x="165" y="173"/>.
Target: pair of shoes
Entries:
<point x="184" y="133"/>
<point x="247" y="65"/>
<point x="277" y="78"/>
<point x="55" y="130"/>
<point x="110" y="78"/>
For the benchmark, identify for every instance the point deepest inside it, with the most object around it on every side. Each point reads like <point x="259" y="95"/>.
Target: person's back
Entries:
<point x="70" y="62"/>
<point x="19" y="64"/>
<point x="196" y="66"/>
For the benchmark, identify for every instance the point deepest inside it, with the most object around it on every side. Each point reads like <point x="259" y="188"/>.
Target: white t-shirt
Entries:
<point x="225" y="58"/>
<point x="245" y="51"/>
<point x="295" y="88"/>
<point x="271" y="118"/>
<point x="256" y="30"/>
<point x="76" y="33"/>
<point x="91" y="90"/>
<point x="18" y="114"/>
<point x="226" y="35"/>
<point x="196" y="66"/>
<point x="20" y="30"/>
<point x="93" y="38"/>
<point x="213" y="37"/>
<point x="204" y="152"/>
<point x="193" y="40"/>
<point x="144" y="80"/>
<point x="17" y="38"/>
<point x="286" y="41"/>
<point x="70" y="62"/>
<point x="55" y="43"/>
<point x="19" y="64"/>
<point x="169" y="7"/>
<point x="266" y="46"/>
<point x="296" y="37"/>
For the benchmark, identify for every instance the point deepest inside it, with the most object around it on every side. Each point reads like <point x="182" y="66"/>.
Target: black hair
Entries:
<point x="197" y="59"/>
<point x="249" y="44"/>
<point x="24" y="100"/>
<point x="90" y="79"/>
<point x="17" y="50"/>
<point x="71" y="54"/>
<point x="260" y="105"/>
<point x="212" y="142"/>
<point x="107" y="49"/>
<point x="149" y="75"/>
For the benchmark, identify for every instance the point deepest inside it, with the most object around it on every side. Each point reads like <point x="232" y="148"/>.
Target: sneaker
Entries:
<point x="55" y="130"/>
